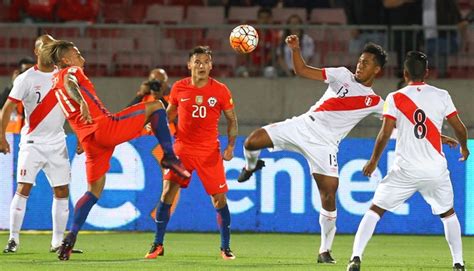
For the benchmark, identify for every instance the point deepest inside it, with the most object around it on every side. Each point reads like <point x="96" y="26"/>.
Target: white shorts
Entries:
<point x="294" y="135"/>
<point x="52" y="159"/>
<point x="397" y="187"/>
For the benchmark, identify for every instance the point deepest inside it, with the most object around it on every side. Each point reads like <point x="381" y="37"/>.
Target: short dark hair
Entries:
<point x="200" y="50"/>
<point x="264" y="10"/>
<point x="25" y="61"/>
<point x="377" y="51"/>
<point x="415" y="64"/>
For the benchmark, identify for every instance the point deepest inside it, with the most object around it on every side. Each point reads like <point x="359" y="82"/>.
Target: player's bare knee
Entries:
<point x="24" y="189"/>
<point x="61" y="192"/>
<point x="219" y="200"/>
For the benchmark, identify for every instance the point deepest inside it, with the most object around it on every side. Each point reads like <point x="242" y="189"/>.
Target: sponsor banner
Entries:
<point x="282" y="197"/>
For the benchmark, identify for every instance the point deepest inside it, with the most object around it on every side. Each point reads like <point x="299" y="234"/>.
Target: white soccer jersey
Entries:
<point x="343" y="105"/>
<point x="419" y="110"/>
<point x="44" y="120"/>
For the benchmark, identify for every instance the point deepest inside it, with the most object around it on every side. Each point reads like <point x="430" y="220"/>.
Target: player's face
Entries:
<point x="74" y="58"/>
<point x="200" y="66"/>
<point x="367" y="67"/>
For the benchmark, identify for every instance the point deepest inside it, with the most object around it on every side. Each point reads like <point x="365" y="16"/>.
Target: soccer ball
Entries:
<point x="243" y="39"/>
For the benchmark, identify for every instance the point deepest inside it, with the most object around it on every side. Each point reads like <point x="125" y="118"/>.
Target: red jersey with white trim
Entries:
<point x="344" y="104"/>
<point x="43" y="118"/>
<point x="419" y="110"/>
<point x="71" y="108"/>
<point x="199" y="110"/>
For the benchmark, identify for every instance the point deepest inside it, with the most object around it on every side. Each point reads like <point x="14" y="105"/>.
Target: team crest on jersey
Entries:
<point x="368" y="101"/>
<point x="199" y="100"/>
<point x="22" y="172"/>
<point x="212" y="101"/>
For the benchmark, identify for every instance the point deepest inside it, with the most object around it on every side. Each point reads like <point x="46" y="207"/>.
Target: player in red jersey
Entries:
<point x="198" y="101"/>
<point x="98" y="130"/>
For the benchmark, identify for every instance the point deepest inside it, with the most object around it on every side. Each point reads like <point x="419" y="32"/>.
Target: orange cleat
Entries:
<point x="227" y="254"/>
<point x="155" y="251"/>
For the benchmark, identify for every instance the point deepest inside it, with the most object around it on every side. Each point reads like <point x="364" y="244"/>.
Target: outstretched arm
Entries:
<point x="232" y="131"/>
<point x="72" y="88"/>
<point x="380" y="143"/>
<point x="299" y="64"/>
<point x="461" y="134"/>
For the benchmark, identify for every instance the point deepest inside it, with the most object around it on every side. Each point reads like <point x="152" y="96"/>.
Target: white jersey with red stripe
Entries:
<point x="419" y="110"/>
<point x="344" y="104"/>
<point x="44" y="119"/>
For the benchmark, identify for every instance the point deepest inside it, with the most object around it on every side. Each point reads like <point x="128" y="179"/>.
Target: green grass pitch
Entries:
<point x="254" y="251"/>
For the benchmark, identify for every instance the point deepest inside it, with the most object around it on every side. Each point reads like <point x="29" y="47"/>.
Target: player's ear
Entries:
<point x="189" y="65"/>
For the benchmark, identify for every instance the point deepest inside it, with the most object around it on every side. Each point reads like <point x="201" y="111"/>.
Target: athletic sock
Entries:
<point x="17" y="214"/>
<point x="60" y="214"/>
<point x="159" y="125"/>
<point x="452" y="232"/>
<point x="162" y="218"/>
<point x="223" y="220"/>
<point x="251" y="158"/>
<point x="364" y="233"/>
<point x="327" y="221"/>
<point x="81" y="211"/>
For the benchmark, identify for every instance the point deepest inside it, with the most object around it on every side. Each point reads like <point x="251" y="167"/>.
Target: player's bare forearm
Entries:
<point x="232" y="126"/>
<point x="460" y="130"/>
<point x="304" y="70"/>
<point x="382" y="138"/>
<point x="5" y="116"/>
<point x="172" y="112"/>
<point x="449" y="141"/>
<point x="72" y="88"/>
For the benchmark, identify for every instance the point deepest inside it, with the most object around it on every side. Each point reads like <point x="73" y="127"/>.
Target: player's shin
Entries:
<point x="223" y="219"/>
<point x="81" y="211"/>
<point x="327" y="221"/>
<point x="364" y="233"/>
<point x="60" y="214"/>
<point x="251" y="158"/>
<point x="159" y="125"/>
<point x="17" y="214"/>
<point x="162" y="218"/>
<point x="452" y="232"/>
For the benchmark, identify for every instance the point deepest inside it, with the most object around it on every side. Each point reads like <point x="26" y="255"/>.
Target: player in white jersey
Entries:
<point x="316" y="134"/>
<point x="418" y="111"/>
<point x="42" y="146"/>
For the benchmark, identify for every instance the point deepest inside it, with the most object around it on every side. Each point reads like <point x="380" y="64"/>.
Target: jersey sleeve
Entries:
<point x="332" y="75"/>
<point x="227" y="102"/>
<point x="450" y="109"/>
<point x="172" y="97"/>
<point x="19" y="90"/>
<point x="389" y="109"/>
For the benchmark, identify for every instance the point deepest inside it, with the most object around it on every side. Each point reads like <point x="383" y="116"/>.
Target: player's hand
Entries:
<point x="228" y="153"/>
<point x="79" y="148"/>
<point x="464" y="154"/>
<point x="452" y="143"/>
<point x="293" y="42"/>
<point x="369" y="168"/>
<point x="85" y="114"/>
<point x="4" y="146"/>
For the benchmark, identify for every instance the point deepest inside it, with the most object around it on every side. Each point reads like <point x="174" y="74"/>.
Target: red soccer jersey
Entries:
<point x="71" y="108"/>
<point x="199" y="110"/>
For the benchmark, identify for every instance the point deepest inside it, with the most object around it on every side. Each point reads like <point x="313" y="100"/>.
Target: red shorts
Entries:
<point x="112" y="130"/>
<point x="210" y="169"/>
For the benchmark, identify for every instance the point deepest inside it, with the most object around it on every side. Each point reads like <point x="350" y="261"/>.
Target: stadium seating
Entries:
<point x="164" y="14"/>
<point x="241" y="15"/>
<point x="328" y="16"/>
<point x="280" y="15"/>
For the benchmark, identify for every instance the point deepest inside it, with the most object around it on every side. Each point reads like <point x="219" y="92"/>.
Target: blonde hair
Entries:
<point x="54" y="52"/>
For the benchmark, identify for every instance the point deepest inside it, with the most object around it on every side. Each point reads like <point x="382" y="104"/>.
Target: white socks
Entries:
<point x="452" y="232"/>
<point x="17" y="213"/>
<point x="364" y="233"/>
<point x="327" y="221"/>
<point x="251" y="158"/>
<point x="60" y="214"/>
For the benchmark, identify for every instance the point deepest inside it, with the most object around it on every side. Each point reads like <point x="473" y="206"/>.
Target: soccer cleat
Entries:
<point x="173" y="163"/>
<point x="11" y="247"/>
<point x="227" y="254"/>
<point x="65" y="250"/>
<point x="246" y="174"/>
<point x="458" y="267"/>
<point x="74" y="250"/>
<point x="354" y="264"/>
<point x="325" y="257"/>
<point x="155" y="251"/>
